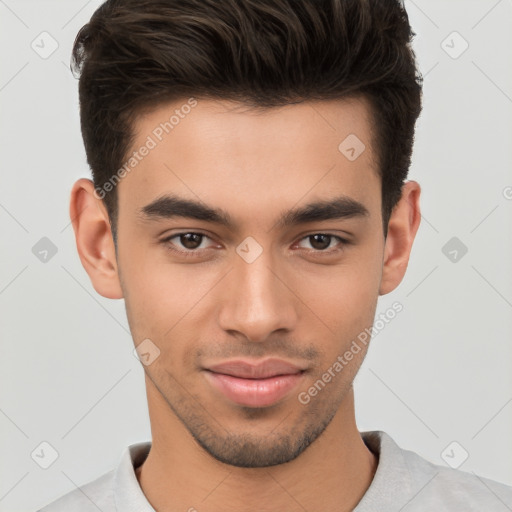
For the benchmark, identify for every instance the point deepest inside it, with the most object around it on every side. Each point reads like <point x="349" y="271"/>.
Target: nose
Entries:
<point x="257" y="300"/>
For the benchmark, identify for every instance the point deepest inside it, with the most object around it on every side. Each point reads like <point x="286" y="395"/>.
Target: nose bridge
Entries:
<point x="258" y="303"/>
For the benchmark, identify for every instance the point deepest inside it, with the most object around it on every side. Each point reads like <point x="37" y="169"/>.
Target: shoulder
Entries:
<point x="90" y="497"/>
<point x="442" y="488"/>
<point x="405" y="480"/>
<point x="116" y="489"/>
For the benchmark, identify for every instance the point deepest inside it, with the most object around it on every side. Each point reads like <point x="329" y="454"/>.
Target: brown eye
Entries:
<point x="187" y="243"/>
<point x="322" y="241"/>
<point x="190" y="240"/>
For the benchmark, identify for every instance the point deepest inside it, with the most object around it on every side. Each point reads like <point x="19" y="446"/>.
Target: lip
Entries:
<point x="254" y="385"/>
<point x="262" y="370"/>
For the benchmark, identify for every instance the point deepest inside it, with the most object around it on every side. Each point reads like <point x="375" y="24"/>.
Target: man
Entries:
<point x="249" y="204"/>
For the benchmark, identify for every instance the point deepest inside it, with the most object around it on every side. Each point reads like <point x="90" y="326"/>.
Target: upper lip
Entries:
<point x="261" y="370"/>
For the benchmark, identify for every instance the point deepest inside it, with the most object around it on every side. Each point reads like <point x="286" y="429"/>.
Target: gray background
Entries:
<point x="439" y="372"/>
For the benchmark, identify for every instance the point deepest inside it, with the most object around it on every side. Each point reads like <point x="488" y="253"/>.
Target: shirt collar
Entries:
<point x="128" y="495"/>
<point x="392" y="477"/>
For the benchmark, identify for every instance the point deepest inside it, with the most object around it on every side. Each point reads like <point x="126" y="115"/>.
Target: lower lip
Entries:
<point x="254" y="392"/>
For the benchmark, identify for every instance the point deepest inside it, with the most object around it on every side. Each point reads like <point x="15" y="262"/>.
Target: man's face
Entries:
<point x="220" y="299"/>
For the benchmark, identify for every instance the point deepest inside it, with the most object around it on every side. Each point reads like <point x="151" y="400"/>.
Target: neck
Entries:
<point x="332" y="474"/>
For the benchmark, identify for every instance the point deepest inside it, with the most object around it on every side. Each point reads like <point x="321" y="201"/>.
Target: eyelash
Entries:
<point x="195" y="252"/>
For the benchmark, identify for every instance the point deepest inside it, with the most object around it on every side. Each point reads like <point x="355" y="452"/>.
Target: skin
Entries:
<point x="294" y="301"/>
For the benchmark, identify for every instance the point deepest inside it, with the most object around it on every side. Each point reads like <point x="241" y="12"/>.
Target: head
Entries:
<point x="278" y="135"/>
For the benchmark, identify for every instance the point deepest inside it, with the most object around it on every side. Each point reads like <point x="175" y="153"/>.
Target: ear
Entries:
<point x="94" y="240"/>
<point x="403" y="225"/>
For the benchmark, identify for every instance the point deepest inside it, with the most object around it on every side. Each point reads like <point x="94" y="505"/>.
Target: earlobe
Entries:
<point x="402" y="228"/>
<point x="94" y="240"/>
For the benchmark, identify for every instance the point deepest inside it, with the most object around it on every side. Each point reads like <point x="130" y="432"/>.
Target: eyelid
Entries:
<point x="342" y="242"/>
<point x="167" y="239"/>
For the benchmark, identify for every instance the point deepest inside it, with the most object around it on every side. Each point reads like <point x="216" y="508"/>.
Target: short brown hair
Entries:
<point x="136" y="54"/>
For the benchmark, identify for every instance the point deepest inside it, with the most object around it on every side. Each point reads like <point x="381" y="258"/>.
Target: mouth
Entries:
<point x="254" y="385"/>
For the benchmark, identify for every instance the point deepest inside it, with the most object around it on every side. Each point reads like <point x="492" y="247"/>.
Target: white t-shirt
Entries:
<point x="404" y="481"/>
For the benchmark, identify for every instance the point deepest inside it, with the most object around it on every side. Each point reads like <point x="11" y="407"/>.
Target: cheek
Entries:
<point x="165" y="302"/>
<point x="344" y="297"/>
<point x="347" y="309"/>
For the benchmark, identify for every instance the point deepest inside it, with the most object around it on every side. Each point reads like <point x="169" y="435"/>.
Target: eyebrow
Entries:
<point x="172" y="206"/>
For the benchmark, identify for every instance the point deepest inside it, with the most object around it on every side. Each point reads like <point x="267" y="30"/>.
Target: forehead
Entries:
<point x="225" y="153"/>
